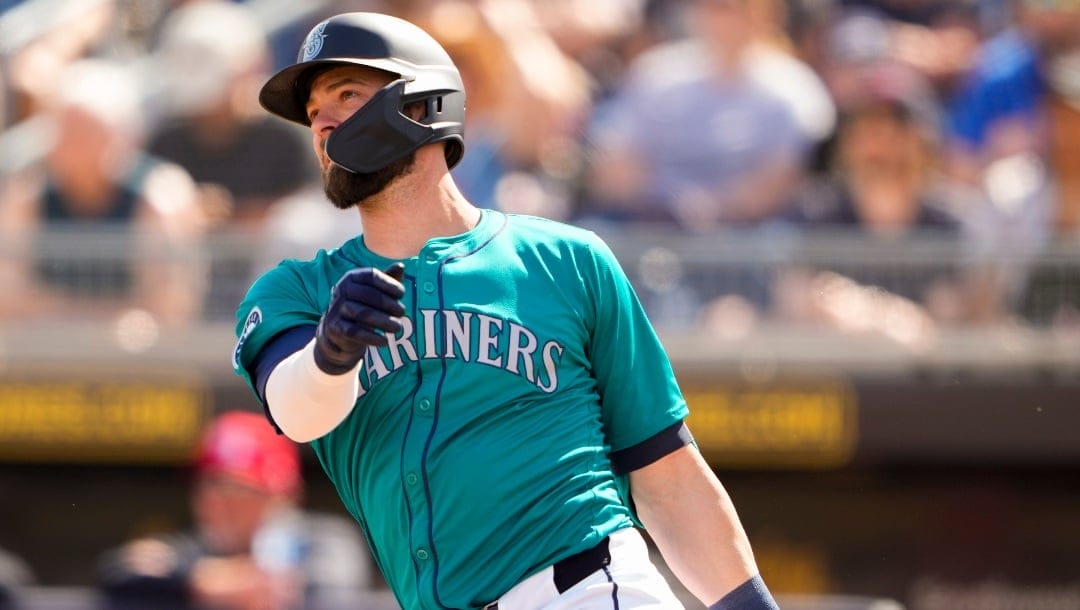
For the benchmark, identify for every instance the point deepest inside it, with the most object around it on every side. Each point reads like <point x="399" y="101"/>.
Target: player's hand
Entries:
<point x="364" y="302"/>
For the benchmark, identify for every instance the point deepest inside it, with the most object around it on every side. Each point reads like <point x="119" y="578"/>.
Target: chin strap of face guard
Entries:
<point x="378" y="134"/>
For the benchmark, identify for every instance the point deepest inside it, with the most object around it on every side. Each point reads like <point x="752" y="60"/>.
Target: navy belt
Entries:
<point x="572" y="570"/>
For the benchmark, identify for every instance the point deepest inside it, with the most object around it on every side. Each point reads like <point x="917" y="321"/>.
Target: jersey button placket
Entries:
<point x="424" y="406"/>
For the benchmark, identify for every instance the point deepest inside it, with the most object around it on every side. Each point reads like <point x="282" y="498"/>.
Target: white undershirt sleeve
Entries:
<point x="305" y="402"/>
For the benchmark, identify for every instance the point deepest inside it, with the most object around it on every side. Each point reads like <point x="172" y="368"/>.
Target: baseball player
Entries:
<point x="483" y="389"/>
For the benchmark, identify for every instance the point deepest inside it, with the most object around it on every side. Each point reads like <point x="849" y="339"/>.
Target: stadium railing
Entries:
<point x="685" y="282"/>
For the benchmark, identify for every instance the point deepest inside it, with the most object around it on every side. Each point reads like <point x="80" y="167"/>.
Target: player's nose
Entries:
<point x="323" y="124"/>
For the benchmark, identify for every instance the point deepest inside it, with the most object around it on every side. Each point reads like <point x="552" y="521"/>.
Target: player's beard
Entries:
<point x="345" y="189"/>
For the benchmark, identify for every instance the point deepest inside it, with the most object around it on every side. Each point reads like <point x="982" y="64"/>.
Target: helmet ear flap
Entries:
<point x="380" y="133"/>
<point x="377" y="134"/>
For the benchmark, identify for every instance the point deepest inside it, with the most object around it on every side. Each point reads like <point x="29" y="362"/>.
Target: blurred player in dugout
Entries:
<point x="250" y="546"/>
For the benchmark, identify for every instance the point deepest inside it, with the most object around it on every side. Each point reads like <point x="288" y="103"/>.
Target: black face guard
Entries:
<point x="378" y="133"/>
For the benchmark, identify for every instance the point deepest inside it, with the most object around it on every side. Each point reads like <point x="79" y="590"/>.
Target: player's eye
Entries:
<point x="311" y="115"/>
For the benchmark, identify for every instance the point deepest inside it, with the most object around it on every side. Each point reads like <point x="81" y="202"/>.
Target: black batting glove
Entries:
<point x="364" y="302"/>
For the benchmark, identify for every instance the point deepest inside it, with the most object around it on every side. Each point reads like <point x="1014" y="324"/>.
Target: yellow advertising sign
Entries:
<point x="100" y="420"/>
<point x="789" y="424"/>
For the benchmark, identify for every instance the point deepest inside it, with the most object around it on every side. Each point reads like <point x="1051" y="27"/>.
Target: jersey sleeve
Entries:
<point x="640" y="397"/>
<point x="280" y="299"/>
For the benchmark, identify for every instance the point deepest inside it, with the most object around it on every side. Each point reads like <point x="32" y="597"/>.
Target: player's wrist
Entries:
<point x="329" y="358"/>
<point x="331" y="365"/>
<point x="319" y="373"/>
<point x="751" y="595"/>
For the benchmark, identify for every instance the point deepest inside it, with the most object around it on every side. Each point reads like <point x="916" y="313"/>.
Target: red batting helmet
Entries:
<point x="243" y="445"/>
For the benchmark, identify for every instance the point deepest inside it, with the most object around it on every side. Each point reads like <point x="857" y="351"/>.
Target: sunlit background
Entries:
<point x="856" y="225"/>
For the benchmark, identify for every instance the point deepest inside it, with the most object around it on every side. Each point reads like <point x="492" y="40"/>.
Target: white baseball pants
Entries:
<point x="631" y="581"/>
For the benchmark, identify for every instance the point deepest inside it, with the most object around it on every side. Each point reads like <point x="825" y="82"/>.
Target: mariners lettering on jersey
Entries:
<point x="471" y="337"/>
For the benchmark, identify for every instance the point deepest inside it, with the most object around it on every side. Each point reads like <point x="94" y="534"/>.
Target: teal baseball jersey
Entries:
<point x="478" y="450"/>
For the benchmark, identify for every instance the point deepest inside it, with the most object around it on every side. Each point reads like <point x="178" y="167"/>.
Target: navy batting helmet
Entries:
<point x="379" y="133"/>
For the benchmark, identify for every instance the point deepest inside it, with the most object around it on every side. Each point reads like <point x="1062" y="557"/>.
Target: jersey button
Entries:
<point x="422" y="554"/>
<point x="429" y="287"/>
<point x="412" y="479"/>
<point x="425" y="405"/>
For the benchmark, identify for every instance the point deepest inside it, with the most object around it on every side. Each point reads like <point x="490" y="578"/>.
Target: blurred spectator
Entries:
<point x="886" y="185"/>
<point x="98" y="185"/>
<point x="14" y="576"/>
<point x="855" y="57"/>
<point x="693" y="137"/>
<point x="40" y="40"/>
<point x="1009" y="136"/>
<point x="251" y="546"/>
<point x="1051" y="294"/>
<point x="527" y="101"/>
<point x="213" y="55"/>
<point x="883" y="188"/>
<point x="1063" y="79"/>
<point x="776" y="66"/>
<point x="853" y="44"/>
<point x="884" y="177"/>
<point x="300" y="225"/>
<point x="937" y="38"/>
<point x="606" y="38"/>
<point x="998" y="126"/>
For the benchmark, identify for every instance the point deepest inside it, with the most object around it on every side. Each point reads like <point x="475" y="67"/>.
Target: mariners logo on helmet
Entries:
<point x="314" y="42"/>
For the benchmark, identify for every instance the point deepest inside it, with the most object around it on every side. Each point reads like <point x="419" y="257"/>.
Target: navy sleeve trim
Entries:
<point x="651" y="449"/>
<point x="283" y="345"/>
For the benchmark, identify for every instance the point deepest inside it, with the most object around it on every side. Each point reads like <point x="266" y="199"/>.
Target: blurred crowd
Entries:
<point x="249" y="542"/>
<point x="765" y="120"/>
<point x="251" y="545"/>
<point x="945" y="132"/>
